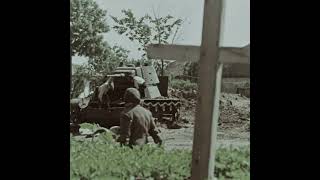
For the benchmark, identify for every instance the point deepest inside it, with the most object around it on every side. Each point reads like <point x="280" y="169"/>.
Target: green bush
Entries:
<point x="102" y="158"/>
<point x="183" y="84"/>
<point x="90" y="126"/>
<point x="233" y="163"/>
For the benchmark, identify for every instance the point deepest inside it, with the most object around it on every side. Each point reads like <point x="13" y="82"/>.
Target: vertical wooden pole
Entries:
<point x="207" y="112"/>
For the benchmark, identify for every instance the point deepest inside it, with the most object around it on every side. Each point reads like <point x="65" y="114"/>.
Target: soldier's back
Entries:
<point x="141" y="119"/>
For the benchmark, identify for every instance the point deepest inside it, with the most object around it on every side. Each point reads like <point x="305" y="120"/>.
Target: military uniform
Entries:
<point x="103" y="92"/>
<point x="136" y="122"/>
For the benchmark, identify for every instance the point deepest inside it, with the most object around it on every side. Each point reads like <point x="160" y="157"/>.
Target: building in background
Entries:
<point x="236" y="70"/>
<point x="235" y="76"/>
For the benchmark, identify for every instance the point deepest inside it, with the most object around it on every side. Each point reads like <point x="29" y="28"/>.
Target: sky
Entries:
<point x="235" y="31"/>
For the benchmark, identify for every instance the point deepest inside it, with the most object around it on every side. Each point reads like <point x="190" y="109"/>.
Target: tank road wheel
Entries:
<point x="175" y="116"/>
<point x="160" y="117"/>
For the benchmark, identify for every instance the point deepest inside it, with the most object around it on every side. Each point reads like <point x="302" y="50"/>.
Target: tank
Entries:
<point x="104" y="104"/>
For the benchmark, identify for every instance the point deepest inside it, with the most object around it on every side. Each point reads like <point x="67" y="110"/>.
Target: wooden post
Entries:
<point x="207" y="112"/>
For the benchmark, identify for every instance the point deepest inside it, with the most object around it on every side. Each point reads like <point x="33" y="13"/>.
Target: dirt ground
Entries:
<point x="233" y="129"/>
<point x="233" y="125"/>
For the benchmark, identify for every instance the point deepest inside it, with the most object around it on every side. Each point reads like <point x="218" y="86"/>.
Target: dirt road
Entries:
<point x="182" y="138"/>
<point x="234" y="124"/>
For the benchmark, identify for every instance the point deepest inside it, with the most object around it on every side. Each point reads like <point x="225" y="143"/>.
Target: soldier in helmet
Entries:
<point x="103" y="92"/>
<point x="136" y="122"/>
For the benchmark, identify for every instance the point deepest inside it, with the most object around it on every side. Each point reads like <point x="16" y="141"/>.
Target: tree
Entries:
<point x="87" y="23"/>
<point x="147" y="30"/>
<point x="97" y="68"/>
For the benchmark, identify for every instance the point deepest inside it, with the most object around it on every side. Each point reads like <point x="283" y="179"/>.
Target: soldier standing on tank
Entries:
<point x="103" y="90"/>
<point x="136" y="122"/>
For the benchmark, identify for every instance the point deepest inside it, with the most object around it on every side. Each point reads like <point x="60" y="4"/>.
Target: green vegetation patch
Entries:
<point x="102" y="158"/>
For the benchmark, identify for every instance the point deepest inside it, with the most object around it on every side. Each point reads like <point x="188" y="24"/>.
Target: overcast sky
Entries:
<point x="236" y="31"/>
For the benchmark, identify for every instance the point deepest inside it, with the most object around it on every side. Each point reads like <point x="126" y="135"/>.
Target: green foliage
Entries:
<point x="120" y="53"/>
<point x="83" y="72"/>
<point x="183" y="84"/>
<point x="102" y="158"/>
<point x="111" y="60"/>
<point x="191" y="69"/>
<point x="147" y="30"/>
<point x="233" y="163"/>
<point x="97" y="68"/>
<point x="90" y="126"/>
<point x="87" y="23"/>
<point x="135" y="29"/>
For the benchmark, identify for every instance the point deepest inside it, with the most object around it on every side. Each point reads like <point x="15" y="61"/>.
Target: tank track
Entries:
<point x="163" y="107"/>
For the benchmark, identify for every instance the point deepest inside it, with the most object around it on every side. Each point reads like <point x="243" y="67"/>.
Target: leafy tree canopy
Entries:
<point x="87" y="23"/>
